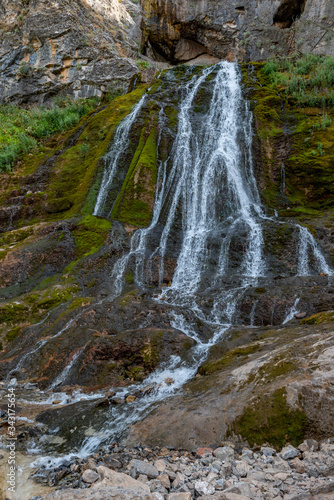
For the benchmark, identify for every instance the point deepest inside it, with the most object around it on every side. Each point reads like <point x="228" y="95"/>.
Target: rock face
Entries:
<point x="62" y="326"/>
<point x="181" y="30"/>
<point x="88" y="48"/>
<point x="85" y="48"/>
<point x="272" y="386"/>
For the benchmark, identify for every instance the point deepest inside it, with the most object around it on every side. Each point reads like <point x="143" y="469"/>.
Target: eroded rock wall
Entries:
<point x="85" y="47"/>
<point x="181" y="30"/>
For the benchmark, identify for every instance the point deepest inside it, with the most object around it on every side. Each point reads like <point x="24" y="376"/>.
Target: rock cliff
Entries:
<point x="180" y="30"/>
<point x="82" y="47"/>
<point x="87" y="47"/>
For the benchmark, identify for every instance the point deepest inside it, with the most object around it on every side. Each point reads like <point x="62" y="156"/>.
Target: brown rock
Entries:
<point x="298" y="465"/>
<point x="164" y="479"/>
<point x="130" y="399"/>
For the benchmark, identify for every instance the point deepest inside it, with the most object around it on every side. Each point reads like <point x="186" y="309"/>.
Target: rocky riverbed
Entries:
<point x="229" y="472"/>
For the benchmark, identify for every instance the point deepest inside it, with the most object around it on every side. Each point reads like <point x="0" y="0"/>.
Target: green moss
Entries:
<point x="13" y="237"/>
<point x="52" y="298"/>
<point x="135" y="373"/>
<point x="90" y="235"/>
<point x="135" y="201"/>
<point x="129" y="279"/>
<point x="150" y="353"/>
<point x="172" y="114"/>
<point x="13" y="333"/>
<point x="270" y="420"/>
<point x="276" y="368"/>
<point x="128" y="297"/>
<point x="318" y="318"/>
<point x="230" y="357"/>
<point x="79" y="302"/>
<point x="308" y="154"/>
<point x="13" y="312"/>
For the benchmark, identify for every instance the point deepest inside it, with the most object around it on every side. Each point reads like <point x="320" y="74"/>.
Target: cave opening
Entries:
<point x="288" y="12"/>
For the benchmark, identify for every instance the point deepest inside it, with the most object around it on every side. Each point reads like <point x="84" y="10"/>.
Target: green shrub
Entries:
<point x="21" y="129"/>
<point x="308" y="79"/>
<point x="142" y="64"/>
<point x="24" y="69"/>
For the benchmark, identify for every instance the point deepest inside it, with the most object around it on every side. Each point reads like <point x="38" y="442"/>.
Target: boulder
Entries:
<point x="138" y="467"/>
<point x="111" y="485"/>
<point x="224" y="453"/>
<point x="90" y="476"/>
<point x="289" y="452"/>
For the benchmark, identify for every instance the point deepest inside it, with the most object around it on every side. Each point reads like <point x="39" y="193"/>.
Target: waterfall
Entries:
<point x="292" y="311"/>
<point x="309" y="249"/>
<point x="63" y="375"/>
<point x="207" y="187"/>
<point x="211" y="179"/>
<point x="282" y="187"/>
<point x="112" y="158"/>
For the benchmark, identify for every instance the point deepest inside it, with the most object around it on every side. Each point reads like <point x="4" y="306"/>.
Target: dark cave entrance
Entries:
<point x="288" y="12"/>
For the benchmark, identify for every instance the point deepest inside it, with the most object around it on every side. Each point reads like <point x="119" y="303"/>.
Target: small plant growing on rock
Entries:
<point x="142" y="64"/>
<point x="24" y="69"/>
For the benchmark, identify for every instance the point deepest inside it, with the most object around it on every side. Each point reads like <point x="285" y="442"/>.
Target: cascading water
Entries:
<point x="111" y="160"/>
<point x="207" y="187"/>
<point x="309" y="251"/>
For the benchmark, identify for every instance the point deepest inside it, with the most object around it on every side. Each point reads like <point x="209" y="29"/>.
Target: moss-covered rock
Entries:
<point x="135" y="201"/>
<point x="294" y="151"/>
<point x="269" y="419"/>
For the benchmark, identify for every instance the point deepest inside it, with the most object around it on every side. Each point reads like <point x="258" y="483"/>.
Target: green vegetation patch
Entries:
<point x="270" y="420"/>
<point x="276" y="368"/>
<point x="318" y="318"/>
<point x="230" y="357"/>
<point x="308" y="80"/>
<point x="90" y="235"/>
<point x="293" y="105"/>
<point x="15" y="316"/>
<point x="22" y="129"/>
<point x="135" y="201"/>
<point x="76" y="169"/>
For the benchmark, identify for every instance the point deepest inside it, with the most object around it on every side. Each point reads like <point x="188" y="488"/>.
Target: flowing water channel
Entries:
<point x="207" y="189"/>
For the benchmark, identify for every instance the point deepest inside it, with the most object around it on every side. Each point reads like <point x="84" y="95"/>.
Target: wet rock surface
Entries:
<point x="287" y="369"/>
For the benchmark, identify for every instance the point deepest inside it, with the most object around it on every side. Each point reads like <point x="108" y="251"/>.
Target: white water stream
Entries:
<point x="111" y="160"/>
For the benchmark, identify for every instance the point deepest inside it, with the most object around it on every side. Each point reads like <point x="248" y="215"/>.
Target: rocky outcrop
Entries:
<point x="181" y="30"/>
<point x="268" y="390"/>
<point x="90" y="47"/>
<point x="81" y="48"/>
<point x="111" y="484"/>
